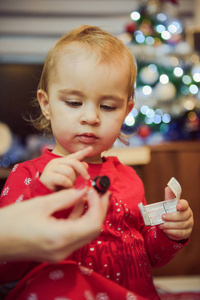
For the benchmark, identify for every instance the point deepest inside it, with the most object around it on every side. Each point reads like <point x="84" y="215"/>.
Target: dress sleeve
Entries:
<point x="23" y="183"/>
<point x="160" y="249"/>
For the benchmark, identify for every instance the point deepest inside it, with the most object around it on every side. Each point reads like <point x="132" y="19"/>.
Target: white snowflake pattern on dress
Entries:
<point x="56" y="275"/>
<point x="88" y="295"/>
<point x="102" y="296"/>
<point x="5" y="191"/>
<point x="37" y="174"/>
<point x="85" y="270"/>
<point x="155" y="233"/>
<point x="178" y="246"/>
<point x="130" y="296"/>
<point x="14" y="168"/>
<point x="19" y="199"/>
<point x="157" y="257"/>
<point x="32" y="296"/>
<point x="27" y="181"/>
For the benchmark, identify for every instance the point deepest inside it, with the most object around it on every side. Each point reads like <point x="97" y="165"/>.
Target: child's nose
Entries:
<point x="90" y="116"/>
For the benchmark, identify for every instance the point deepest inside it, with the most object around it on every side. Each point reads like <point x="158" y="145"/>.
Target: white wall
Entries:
<point x="28" y="28"/>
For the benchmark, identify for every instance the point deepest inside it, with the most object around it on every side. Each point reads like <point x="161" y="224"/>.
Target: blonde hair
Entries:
<point x="105" y="45"/>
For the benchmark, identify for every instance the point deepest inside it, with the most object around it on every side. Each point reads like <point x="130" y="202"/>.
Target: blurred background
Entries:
<point x="164" y="37"/>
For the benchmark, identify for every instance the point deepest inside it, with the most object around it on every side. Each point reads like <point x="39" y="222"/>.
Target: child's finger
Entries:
<point x="182" y="205"/>
<point x="178" y="230"/>
<point x="56" y="180"/>
<point x="71" y="168"/>
<point x="176" y="225"/>
<point x="177" y="216"/>
<point x="79" y="167"/>
<point x="65" y="170"/>
<point x="177" y="234"/>
<point x="82" y="153"/>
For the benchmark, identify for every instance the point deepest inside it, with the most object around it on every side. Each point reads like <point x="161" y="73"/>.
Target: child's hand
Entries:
<point x="178" y="225"/>
<point x="62" y="172"/>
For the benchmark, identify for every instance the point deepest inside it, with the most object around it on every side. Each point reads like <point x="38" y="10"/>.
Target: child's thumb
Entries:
<point x="169" y="194"/>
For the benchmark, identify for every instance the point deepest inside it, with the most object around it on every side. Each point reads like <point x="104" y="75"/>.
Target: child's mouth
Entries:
<point x="87" y="138"/>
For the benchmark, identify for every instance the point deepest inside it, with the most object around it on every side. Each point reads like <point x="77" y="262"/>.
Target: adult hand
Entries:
<point x="28" y="230"/>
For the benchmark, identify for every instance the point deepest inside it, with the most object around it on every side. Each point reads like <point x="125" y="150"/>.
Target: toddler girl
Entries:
<point x="85" y="93"/>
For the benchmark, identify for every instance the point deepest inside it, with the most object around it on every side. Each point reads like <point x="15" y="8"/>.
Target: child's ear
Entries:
<point x="44" y="103"/>
<point x="130" y="106"/>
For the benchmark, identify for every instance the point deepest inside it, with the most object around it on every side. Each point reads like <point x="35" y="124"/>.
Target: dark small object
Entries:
<point x="101" y="183"/>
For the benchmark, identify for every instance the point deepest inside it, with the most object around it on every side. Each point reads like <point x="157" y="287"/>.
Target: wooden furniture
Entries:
<point x="131" y="156"/>
<point x="156" y="165"/>
<point x="181" y="160"/>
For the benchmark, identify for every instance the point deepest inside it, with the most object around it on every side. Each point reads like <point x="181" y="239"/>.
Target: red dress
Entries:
<point x="117" y="265"/>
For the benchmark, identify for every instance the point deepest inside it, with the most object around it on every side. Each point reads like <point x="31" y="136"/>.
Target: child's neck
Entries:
<point x="94" y="160"/>
<point x="97" y="159"/>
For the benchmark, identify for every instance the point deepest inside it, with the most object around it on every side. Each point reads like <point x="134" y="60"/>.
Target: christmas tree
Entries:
<point x="167" y="98"/>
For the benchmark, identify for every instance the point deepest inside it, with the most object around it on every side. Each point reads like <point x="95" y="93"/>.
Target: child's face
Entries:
<point x="86" y="103"/>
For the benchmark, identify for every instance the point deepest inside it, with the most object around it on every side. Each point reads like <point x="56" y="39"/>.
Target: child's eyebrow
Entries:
<point x="71" y="92"/>
<point x="80" y="94"/>
<point x="112" y="97"/>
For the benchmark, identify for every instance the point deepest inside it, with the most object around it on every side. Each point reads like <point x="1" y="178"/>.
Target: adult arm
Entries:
<point x="28" y="230"/>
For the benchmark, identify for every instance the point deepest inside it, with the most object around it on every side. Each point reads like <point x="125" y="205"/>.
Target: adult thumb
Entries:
<point x="63" y="199"/>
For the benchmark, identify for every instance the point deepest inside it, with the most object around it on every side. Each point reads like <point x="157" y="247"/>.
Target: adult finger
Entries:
<point x="98" y="205"/>
<point x="88" y="227"/>
<point x="77" y="210"/>
<point x="83" y="230"/>
<point x="61" y="200"/>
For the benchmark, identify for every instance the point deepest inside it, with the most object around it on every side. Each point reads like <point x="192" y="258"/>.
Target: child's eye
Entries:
<point x="73" y="103"/>
<point x="108" y="107"/>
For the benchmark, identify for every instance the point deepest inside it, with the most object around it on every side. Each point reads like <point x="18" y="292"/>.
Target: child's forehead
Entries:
<point x="76" y="52"/>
